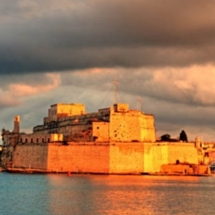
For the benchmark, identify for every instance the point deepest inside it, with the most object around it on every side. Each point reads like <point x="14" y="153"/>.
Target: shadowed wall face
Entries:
<point x="31" y="156"/>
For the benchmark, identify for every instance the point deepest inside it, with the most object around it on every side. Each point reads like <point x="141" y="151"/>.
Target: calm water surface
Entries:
<point x="98" y="195"/>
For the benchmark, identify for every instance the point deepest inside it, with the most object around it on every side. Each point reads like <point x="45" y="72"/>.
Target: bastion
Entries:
<point x="114" y="140"/>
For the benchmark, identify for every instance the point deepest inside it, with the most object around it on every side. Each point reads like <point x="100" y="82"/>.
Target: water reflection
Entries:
<point x="101" y="195"/>
<point x="117" y="195"/>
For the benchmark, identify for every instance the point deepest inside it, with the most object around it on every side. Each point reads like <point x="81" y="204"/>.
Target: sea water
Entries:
<point x="30" y="194"/>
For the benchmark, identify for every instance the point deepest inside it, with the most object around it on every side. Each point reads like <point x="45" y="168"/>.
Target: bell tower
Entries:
<point x="16" y="124"/>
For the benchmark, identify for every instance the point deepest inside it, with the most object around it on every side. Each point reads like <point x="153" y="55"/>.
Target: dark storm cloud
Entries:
<point x="111" y="33"/>
<point x="29" y="79"/>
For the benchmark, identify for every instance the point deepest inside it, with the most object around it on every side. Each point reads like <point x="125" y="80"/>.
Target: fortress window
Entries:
<point x="26" y="140"/>
<point x="31" y="140"/>
<point x="43" y="140"/>
<point x="37" y="140"/>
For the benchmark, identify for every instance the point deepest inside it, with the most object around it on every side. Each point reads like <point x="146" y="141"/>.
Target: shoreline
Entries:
<point x="40" y="171"/>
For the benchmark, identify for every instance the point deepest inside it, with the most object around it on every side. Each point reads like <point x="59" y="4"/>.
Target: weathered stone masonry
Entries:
<point x="114" y="140"/>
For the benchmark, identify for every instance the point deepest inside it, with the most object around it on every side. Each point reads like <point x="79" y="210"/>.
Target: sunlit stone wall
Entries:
<point x="39" y="138"/>
<point x="154" y="156"/>
<point x="100" y="131"/>
<point x="106" y="158"/>
<point x="30" y="156"/>
<point x="157" y="154"/>
<point x="59" y="110"/>
<point x="79" y="158"/>
<point x="126" y="158"/>
<point x="132" y="126"/>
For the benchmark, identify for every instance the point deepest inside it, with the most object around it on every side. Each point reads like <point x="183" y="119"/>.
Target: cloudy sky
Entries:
<point x="69" y="51"/>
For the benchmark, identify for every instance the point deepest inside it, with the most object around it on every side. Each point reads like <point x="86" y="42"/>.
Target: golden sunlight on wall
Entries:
<point x="156" y="155"/>
<point x="132" y="126"/>
<point x="101" y="131"/>
<point x="126" y="158"/>
<point x="79" y="158"/>
<point x="63" y="110"/>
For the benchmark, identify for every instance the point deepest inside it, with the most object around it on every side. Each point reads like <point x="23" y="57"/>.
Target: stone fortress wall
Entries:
<point x="30" y="156"/>
<point x="158" y="154"/>
<point x="113" y="140"/>
<point x="114" y="158"/>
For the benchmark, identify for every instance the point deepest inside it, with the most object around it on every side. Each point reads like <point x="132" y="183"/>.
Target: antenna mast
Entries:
<point x="139" y="103"/>
<point x="115" y="84"/>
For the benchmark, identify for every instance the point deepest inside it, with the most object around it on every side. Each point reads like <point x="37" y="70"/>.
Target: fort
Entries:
<point x="114" y="140"/>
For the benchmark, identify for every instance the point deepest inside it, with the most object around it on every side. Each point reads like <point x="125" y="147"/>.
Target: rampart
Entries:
<point x="31" y="156"/>
<point x="78" y="158"/>
<point x="103" y="158"/>
<point x="162" y="153"/>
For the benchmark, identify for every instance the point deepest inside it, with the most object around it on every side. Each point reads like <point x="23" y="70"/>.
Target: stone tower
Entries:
<point x="16" y="124"/>
<point x="198" y="142"/>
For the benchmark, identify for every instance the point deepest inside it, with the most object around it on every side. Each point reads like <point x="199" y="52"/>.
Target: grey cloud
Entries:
<point x="138" y="39"/>
<point x="94" y="90"/>
<point x="175" y="86"/>
<point x="108" y="34"/>
<point x="14" y="89"/>
<point x="175" y="107"/>
<point x="6" y="101"/>
<point x="29" y="79"/>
